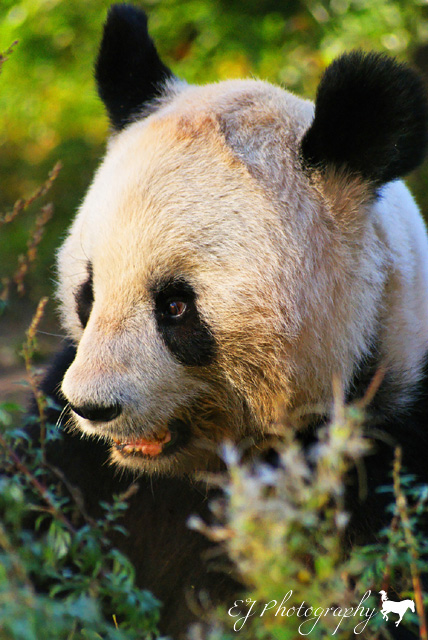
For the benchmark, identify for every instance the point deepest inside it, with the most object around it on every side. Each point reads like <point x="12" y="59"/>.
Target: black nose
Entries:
<point x="97" y="413"/>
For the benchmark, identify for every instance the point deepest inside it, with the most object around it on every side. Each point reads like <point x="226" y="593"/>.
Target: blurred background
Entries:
<point x="50" y="110"/>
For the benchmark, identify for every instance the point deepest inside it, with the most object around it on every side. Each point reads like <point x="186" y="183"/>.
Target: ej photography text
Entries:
<point x="242" y="610"/>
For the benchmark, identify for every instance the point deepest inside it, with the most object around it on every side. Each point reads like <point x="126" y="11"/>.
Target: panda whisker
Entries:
<point x="55" y="335"/>
<point x="64" y="410"/>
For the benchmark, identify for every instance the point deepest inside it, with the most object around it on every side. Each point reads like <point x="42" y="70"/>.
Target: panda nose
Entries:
<point x="98" y="413"/>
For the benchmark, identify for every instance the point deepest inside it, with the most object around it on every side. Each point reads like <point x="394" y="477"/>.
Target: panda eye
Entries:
<point x="178" y="320"/>
<point x="176" y="308"/>
<point x="174" y="302"/>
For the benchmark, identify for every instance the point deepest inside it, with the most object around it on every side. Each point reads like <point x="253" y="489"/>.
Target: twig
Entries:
<point x="372" y="389"/>
<point x="23" y="204"/>
<point x="74" y="493"/>
<point x="44" y="216"/>
<point x="5" y="54"/>
<point x="25" y="259"/>
<point x="41" y="490"/>
<point x="411" y="543"/>
<point x="27" y="352"/>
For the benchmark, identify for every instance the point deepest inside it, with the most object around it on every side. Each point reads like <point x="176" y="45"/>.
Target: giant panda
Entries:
<point x="239" y="248"/>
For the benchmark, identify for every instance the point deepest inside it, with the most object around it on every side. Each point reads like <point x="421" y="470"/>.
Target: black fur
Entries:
<point x="128" y="70"/>
<point x="387" y="427"/>
<point x="188" y="338"/>
<point x="370" y="118"/>
<point x="84" y="298"/>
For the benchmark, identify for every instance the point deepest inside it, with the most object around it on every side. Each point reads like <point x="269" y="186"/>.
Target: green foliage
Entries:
<point x="48" y="103"/>
<point x="58" y="579"/>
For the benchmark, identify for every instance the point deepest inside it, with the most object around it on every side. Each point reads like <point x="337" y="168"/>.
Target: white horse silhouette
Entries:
<point x="389" y="606"/>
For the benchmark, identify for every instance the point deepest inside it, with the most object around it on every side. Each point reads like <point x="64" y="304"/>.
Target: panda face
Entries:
<point x="159" y="278"/>
<point x="231" y="257"/>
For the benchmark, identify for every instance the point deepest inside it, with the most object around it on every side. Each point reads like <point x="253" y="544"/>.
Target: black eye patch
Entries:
<point x="186" y="335"/>
<point x="84" y="298"/>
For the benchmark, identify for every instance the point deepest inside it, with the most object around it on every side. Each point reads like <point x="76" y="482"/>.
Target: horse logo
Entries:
<point x="389" y="606"/>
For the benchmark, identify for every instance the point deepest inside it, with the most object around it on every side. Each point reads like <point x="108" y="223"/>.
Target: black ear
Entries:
<point x="128" y="70"/>
<point x="370" y="118"/>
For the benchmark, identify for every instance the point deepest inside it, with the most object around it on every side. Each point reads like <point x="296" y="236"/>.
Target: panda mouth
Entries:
<point x="169" y="440"/>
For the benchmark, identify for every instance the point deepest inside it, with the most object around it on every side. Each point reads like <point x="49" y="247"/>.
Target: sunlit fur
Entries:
<point x="295" y="273"/>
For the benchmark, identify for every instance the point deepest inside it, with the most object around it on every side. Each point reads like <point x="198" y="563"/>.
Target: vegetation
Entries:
<point x="58" y="581"/>
<point x="283" y="528"/>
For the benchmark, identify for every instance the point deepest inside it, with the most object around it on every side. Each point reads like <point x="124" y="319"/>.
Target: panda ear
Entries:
<point x="128" y="70"/>
<point x="370" y="118"/>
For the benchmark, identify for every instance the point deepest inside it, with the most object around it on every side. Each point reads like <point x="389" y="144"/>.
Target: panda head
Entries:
<point x="239" y="248"/>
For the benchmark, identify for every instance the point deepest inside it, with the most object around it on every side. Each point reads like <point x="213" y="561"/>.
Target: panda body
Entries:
<point x="238" y="249"/>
